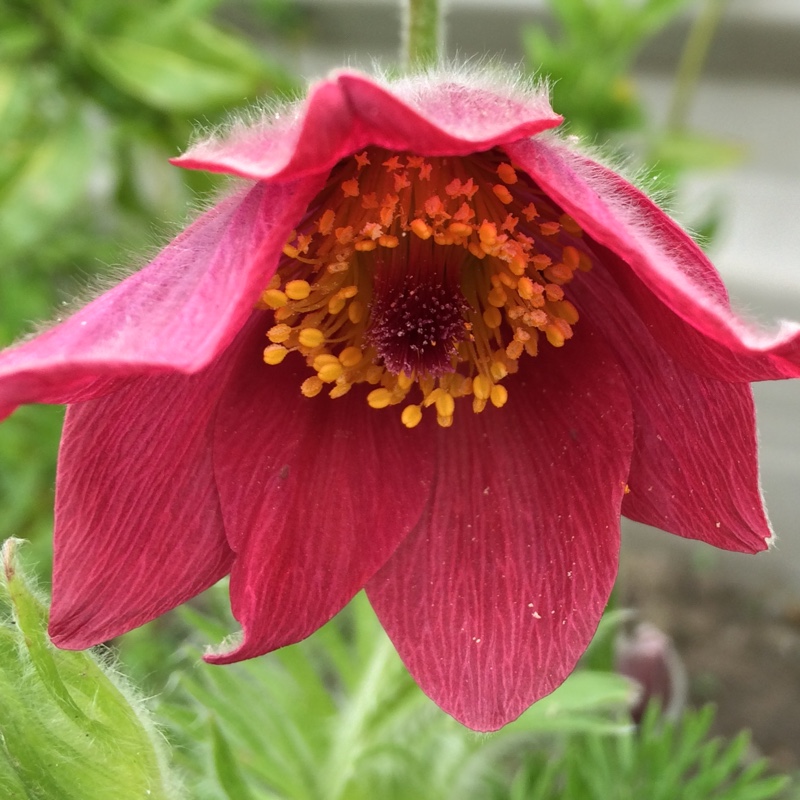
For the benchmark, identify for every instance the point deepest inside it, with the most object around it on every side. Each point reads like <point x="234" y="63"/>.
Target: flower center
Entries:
<point x="416" y="326"/>
<point x="426" y="278"/>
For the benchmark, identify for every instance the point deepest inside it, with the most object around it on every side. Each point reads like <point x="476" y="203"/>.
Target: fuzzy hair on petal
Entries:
<point x="445" y="110"/>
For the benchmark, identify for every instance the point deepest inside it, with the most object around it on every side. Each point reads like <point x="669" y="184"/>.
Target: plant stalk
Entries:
<point x="693" y="58"/>
<point x="422" y="33"/>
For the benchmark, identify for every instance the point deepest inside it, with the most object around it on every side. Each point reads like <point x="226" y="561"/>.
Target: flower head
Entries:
<point x="428" y="349"/>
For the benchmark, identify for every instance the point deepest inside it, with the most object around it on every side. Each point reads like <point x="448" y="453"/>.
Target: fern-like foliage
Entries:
<point x="337" y="717"/>
<point x="660" y="761"/>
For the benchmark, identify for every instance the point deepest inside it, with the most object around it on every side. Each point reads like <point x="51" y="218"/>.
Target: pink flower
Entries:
<point x="553" y="351"/>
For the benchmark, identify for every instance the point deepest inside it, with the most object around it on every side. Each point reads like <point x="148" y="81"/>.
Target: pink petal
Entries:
<point x="348" y="111"/>
<point x="695" y="464"/>
<point x="177" y="314"/>
<point x="663" y="273"/>
<point x="316" y="494"/>
<point x="138" y="522"/>
<point x="494" y="597"/>
<point x="695" y="461"/>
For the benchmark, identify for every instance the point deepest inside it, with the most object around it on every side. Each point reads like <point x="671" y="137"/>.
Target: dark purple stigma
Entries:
<point x="415" y="327"/>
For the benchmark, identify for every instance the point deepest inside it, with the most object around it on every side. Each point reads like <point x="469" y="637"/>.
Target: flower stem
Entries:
<point x="692" y="60"/>
<point x="422" y="33"/>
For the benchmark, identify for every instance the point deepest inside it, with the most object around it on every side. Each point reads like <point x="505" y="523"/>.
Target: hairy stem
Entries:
<point x="422" y="33"/>
<point x="692" y="60"/>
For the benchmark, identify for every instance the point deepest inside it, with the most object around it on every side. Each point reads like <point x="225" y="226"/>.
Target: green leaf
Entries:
<point x="683" y="150"/>
<point x="659" y="761"/>
<point x="167" y="79"/>
<point x="19" y="41"/>
<point x="338" y="716"/>
<point x="185" y="65"/>
<point x="69" y="728"/>
<point x="227" y="767"/>
<point x="579" y="704"/>
<point x="47" y="186"/>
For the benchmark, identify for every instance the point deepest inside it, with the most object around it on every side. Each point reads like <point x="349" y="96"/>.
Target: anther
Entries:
<point x="298" y="290"/>
<point x="274" y="298"/>
<point x="499" y="396"/>
<point x="502" y="194"/>
<point x="351" y="356"/>
<point x="274" y="354"/>
<point x="311" y="337"/>
<point x="311" y="387"/>
<point x="507" y="173"/>
<point x="379" y="398"/>
<point x="279" y="333"/>
<point x="481" y="387"/>
<point x="411" y="416"/>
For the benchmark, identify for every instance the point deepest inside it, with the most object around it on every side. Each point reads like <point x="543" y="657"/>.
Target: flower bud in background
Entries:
<point x="647" y="655"/>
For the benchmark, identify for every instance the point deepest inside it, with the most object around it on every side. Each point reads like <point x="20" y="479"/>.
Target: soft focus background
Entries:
<point x="94" y="97"/>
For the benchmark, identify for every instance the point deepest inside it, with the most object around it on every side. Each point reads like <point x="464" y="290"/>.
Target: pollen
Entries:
<point x="297" y="290"/>
<point x="311" y="337"/>
<point x="411" y="416"/>
<point x="425" y="281"/>
<point x="274" y="354"/>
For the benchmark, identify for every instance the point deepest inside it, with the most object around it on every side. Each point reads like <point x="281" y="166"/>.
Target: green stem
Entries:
<point x="352" y="732"/>
<point x="422" y="34"/>
<point x="692" y="60"/>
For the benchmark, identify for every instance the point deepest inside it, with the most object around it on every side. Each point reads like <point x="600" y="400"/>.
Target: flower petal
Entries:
<point x="494" y="597"/>
<point x="666" y="277"/>
<point x="176" y="314"/>
<point x="316" y="494"/>
<point x="432" y="115"/>
<point x="695" y="458"/>
<point x="138" y="523"/>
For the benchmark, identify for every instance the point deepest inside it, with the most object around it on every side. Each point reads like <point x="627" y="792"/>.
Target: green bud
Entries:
<point x="69" y="726"/>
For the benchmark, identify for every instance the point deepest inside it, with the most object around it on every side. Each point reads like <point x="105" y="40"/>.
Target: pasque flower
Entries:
<point x="427" y="348"/>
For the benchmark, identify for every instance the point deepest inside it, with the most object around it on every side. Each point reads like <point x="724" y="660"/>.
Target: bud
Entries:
<point x="69" y="726"/>
<point x="648" y="656"/>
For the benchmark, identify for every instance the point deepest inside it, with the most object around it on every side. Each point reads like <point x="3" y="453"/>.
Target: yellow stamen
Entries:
<point x="324" y="359"/>
<point x="311" y="387"/>
<point x="502" y="193"/>
<point x="297" y="290"/>
<point x="481" y="387"/>
<point x="274" y="354"/>
<point x="335" y="305"/>
<point x="554" y="336"/>
<point x="350" y="188"/>
<point x="279" y="333"/>
<point x="379" y="398"/>
<point x="351" y="356"/>
<point x="445" y="405"/>
<point x="507" y="173"/>
<point x="355" y="312"/>
<point x="499" y="396"/>
<point x="411" y="416"/>
<point x="492" y="317"/>
<point x="311" y="337"/>
<point x="421" y="228"/>
<point x="328" y="373"/>
<point x="274" y="298"/>
<point x="425" y="280"/>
